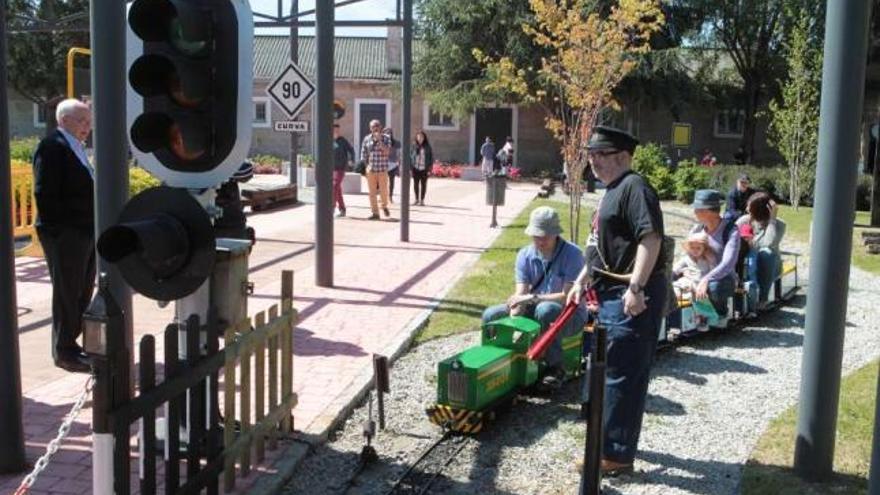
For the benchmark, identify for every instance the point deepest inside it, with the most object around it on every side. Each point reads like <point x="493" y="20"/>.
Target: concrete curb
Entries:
<point x="356" y="391"/>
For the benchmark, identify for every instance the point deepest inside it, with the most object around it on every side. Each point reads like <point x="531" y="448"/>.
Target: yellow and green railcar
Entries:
<point x="472" y="384"/>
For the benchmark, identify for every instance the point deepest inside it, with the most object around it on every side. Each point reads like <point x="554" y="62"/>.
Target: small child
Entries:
<point x="691" y="268"/>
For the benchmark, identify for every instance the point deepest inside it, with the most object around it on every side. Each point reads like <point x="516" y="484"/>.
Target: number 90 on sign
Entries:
<point x="290" y="89"/>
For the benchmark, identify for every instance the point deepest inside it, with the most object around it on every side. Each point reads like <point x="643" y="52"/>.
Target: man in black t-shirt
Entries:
<point x="622" y="265"/>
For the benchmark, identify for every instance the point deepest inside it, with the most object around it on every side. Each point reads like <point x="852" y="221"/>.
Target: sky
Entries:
<point x="364" y="10"/>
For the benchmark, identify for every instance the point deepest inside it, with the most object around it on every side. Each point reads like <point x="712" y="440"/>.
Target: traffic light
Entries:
<point x="190" y="76"/>
<point x="163" y="243"/>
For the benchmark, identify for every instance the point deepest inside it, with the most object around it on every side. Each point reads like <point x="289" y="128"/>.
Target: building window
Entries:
<point x="39" y="115"/>
<point x="729" y="123"/>
<point x="262" y="112"/>
<point x="619" y="119"/>
<point x="435" y="121"/>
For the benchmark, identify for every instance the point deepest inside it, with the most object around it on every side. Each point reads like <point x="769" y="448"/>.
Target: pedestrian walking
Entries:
<point x="422" y="158"/>
<point x="64" y="192"/>
<point x="622" y="264"/>
<point x="374" y="152"/>
<point x="393" y="162"/>
<point x="343" y="157"/>
<point x="487" y="152"/>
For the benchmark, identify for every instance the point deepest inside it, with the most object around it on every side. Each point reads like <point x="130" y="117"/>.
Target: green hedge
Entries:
<point x="651" y="161"/>
<point x="23" y="148"/>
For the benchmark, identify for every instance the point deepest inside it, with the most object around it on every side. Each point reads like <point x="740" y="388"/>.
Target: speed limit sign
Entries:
<point x="292" y="90"/>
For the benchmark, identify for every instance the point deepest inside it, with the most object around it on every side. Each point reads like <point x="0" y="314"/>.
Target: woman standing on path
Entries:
<point x="422" y="158"/>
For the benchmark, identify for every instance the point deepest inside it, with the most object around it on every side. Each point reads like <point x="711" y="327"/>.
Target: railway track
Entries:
<point x="428" y="467"/>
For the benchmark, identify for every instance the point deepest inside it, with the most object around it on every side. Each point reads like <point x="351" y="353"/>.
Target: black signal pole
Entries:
<point x="406" y="108"/>
<point x="111" y="141"/>
<point x="323" y="133"/>
<point x="12" y="458"/>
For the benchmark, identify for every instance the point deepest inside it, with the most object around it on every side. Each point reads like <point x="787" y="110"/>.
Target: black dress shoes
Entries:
<point x="75" y="363"/>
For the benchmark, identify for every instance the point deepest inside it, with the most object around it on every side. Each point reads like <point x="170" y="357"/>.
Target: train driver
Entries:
<point x="622" y="265"/>
<point x="544" y="273"/>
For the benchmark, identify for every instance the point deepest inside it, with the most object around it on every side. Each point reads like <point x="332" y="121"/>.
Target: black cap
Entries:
<point x="606" y="138"/>
<point x="745" y="177"/>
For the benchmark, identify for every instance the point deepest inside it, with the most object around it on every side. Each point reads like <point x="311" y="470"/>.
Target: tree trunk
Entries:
<point x="752" y="90"/>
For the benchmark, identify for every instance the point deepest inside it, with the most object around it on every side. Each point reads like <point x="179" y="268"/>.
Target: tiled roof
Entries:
<point x="356" y="58"/>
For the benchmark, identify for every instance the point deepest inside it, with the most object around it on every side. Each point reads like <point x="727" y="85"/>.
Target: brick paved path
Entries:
<point x="383" y="289"/>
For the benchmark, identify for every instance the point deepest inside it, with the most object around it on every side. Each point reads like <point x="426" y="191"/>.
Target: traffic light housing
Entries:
<point x="190" y="76"/>
<point x="163" y="243"/>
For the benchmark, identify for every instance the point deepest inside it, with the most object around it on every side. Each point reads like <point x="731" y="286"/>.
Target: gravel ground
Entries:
<point x="709" y="401"/>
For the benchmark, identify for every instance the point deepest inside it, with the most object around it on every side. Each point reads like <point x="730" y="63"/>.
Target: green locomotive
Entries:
<point x="472" y="384"/>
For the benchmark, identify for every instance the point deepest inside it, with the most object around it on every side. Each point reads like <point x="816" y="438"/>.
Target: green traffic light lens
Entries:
<point x="181" y="43"/>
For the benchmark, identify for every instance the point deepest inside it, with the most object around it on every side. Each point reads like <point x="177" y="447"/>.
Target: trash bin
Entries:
<point x="496" y="184"/>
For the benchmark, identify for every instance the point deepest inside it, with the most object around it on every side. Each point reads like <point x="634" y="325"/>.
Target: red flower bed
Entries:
<point x="446" y="170"/>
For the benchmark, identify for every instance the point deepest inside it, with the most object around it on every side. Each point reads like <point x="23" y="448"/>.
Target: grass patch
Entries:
<point x="769" y="469"/>
<point x="490" y="281"/>
<point x="798" y="226"/>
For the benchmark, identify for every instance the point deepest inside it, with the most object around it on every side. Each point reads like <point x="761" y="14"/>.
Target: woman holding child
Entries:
<point x="762" y="232"/>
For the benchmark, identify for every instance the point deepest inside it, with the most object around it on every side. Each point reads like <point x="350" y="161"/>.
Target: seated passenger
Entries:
<point x="545" y="271"/>
<point x="738" y="197"/>
<point x="720" y="283"/>
<point x="696" y="263"/>
<point x="766" y="235"/>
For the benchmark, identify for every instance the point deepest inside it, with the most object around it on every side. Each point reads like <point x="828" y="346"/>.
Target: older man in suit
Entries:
<point x="64" y="191"/>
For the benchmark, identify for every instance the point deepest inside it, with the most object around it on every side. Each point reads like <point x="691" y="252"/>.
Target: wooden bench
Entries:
<point x="263" y="196"/>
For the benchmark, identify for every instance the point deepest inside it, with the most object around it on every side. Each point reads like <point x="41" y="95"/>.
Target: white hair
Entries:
<point x="68" y="107"/>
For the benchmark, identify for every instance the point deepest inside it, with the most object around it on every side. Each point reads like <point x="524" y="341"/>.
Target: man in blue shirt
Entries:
<point x="545" y="271"/>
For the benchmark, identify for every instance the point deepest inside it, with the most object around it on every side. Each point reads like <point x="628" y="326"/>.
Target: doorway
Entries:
<point x="497" y="123"/>
<point x="365" y="111"/>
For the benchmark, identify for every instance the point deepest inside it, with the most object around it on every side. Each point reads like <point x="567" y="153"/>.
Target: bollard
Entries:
<point x="591" y="476"/>
<point x="380" y="381"/>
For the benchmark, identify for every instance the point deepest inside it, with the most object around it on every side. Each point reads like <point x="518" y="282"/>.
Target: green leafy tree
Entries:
<point x="446" y="69"/>
<point x="794" y="125"/>
<point x="37" y="61"/>
<point x="753" y="33"/>
<point x="591" y="50"/>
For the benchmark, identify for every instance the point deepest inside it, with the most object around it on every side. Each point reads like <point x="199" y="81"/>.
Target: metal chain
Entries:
<point x="55" y="444"/>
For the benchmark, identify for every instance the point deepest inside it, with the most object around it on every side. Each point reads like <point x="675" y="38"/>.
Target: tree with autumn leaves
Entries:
<point x="591" y="48"/>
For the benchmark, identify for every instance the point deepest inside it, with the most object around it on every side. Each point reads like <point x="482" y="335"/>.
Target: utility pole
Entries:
<point x="12" y="456"/>
<point x="843" y="84"/>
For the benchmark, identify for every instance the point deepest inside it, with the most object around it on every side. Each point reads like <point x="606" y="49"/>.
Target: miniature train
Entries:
<point x="476" y="382"/>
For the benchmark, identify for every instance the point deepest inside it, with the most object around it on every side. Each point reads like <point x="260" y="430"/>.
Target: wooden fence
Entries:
<point x="190" y="391"/>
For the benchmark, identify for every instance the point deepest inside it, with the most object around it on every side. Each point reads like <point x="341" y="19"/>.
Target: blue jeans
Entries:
<point x="768" y="265"/>
<point x="720" y="291"/>
<point x="545" y="313"/>
<point x="631" y="344"/>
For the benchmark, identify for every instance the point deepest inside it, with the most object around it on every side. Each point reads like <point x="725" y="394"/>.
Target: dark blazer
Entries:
<point x="63" y="188"/>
